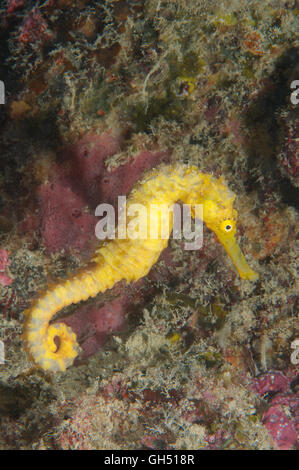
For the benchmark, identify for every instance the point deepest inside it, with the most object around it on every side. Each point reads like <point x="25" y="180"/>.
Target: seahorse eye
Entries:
<point x="227" y="225"/>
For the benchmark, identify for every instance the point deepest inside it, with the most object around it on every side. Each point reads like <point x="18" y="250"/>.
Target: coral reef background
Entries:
<point x="190" y="357"/>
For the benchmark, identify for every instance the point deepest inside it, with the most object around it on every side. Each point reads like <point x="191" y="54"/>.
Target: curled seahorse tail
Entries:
<point x="56" y="350"/>
<point x="54" y="347"/>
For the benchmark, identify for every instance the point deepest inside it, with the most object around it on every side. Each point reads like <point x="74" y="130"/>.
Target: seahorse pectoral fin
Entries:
<point x="233" y="250"/>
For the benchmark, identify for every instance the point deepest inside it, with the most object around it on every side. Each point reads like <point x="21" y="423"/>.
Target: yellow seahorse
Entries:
<point x="54" y="347"/>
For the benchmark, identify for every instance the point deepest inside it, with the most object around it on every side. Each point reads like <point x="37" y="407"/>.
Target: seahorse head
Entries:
<point x="221" y="217"/>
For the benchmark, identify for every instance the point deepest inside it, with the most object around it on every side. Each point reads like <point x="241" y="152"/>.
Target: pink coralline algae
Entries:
<point x="79" y="184"/>
<point x="279" y="423"/>
<point x="34" y="29"/>
<point x="5" y="280"/>
<point x="94" y="324"/>
<point x="65" y="224"/>
<point x="88" y="174"/>
<point x="273" y="382"/>
<point x="282" y="417"/>
<point x="86" y="161"/>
